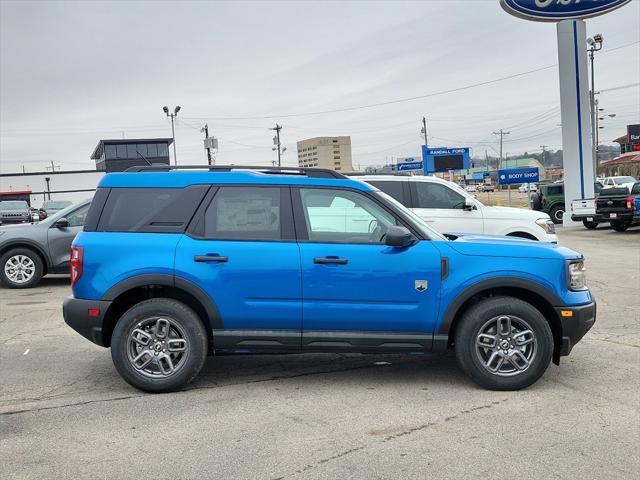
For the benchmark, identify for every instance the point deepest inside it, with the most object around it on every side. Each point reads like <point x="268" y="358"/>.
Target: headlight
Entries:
<point x="547" y="225"/>
<point x="577" y="276"/>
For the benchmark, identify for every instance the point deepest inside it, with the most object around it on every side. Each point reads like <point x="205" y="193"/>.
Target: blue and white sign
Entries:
<point x="403" y="167"/>
<point x="518" y="175"/>
<point x="445" y="159"/>
<point x="556" y="10"/>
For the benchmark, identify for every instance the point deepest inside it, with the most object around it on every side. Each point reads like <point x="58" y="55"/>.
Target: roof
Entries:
<point x="625" y="158"/>
<point x="622" y="140"/>
<point x="17" y="192"/>
<point x="97" y="152"/>
<point x="184" y="178"/>
<point x="520" y="162"/>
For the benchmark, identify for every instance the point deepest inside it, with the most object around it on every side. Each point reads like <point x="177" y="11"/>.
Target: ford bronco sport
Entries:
<point x="176" y="263"/>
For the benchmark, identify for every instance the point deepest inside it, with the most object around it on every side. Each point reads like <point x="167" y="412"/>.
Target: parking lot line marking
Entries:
<point x="26" y="351"/>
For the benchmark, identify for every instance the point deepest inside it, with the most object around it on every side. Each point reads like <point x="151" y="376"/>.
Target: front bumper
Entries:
<point x="76" y="314"/>
<point x="575" y="326"/>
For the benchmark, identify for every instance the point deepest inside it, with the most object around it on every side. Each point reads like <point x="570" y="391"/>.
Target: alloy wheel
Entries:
<point x="506" y="345"/>
<point x="19" y="269"/>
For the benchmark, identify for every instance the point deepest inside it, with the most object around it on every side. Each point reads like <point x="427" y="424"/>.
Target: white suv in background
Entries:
<point x="448" y="208"/>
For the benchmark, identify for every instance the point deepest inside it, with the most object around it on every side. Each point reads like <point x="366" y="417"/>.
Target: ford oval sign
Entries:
<point x="556" y="10"/>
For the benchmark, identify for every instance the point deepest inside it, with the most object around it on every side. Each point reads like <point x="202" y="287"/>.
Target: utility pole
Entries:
<point x="424" y="131"/>
<point x="205" y="129"/>
<point x="276" y="142"/>
<point x="597" y="139"/>
<point x="544" y="151"/>
<point x="173" y="115"/>
<point x="502" y="133"/>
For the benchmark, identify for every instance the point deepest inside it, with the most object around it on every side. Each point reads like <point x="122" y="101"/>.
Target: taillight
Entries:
<point x="76" y="263"/>
<point x="631" y="203"/>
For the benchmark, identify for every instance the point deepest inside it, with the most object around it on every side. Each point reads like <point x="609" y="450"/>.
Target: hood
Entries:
<point x="477" y="244"/>
<point x="513" y="213"/>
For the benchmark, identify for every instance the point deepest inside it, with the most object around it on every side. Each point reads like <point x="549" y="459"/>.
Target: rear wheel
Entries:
<point x="556" y="213"/>
<point x="620" y="225"/>
<point x="159" y="345"/>
<point x="21" y="268"/>
<point x="589" y="225"/>
<point x="503" y="343"/>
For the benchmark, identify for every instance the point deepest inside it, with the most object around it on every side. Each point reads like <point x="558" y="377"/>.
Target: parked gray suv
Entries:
<point x="30" y="251"/>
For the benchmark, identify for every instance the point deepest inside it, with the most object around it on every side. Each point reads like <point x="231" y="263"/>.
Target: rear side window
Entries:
<point x="554" y="190"/>
<point x="161" y="210"/>
<point x="391" y="188"/>
<point x="635" y="190"/>
<point x="244" y="213"/>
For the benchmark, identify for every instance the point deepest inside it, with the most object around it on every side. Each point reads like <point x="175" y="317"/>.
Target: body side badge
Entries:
<point x="421" y="285"/>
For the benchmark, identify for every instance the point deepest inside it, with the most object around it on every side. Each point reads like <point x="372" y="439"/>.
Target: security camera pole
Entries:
<point x="595" y="44"/>
<point x="173" y="131"/>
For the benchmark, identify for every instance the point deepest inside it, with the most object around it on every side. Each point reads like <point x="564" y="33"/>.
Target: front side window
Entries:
<point x="342" y="216"/>
<point x="77" y="217"/>
<point x="244" y="213"/>
<point x="436" y="195"/>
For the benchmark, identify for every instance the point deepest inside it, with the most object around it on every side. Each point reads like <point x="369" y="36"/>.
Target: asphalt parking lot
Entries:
<point x="66" y="413"/>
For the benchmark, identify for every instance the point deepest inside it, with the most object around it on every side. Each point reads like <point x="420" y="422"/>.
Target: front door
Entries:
<point x="242" y="252"/>
<point x="443" y="208"/>
<point x="358" y="292"/>
<point x="60" y="238"/>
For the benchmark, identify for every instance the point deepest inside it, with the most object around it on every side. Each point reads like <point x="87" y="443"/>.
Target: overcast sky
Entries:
<point x="72" y="73"/>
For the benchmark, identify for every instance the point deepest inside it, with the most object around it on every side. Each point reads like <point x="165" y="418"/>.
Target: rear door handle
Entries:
<point x="324" y="260"/>
<point x="210" y="258"/>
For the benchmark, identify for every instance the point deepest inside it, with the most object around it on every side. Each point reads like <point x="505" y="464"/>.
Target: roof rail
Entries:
<point x="309" y="172"/>
<point x="395" y="174"/>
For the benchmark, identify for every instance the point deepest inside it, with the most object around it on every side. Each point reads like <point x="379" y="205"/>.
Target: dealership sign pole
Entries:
<point x="577" y="154"/>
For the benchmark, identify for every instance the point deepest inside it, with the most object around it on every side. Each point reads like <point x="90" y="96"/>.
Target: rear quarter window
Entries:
<point x="394" y="189"/>
<point x="160" y="210"/>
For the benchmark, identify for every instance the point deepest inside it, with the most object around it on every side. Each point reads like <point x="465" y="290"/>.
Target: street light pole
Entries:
<point x="595" y="44"/>
<point x="424" y="131"/>
<point x="173" y="115"/>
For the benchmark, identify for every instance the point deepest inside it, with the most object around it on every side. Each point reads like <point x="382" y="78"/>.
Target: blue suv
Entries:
<point x="175" y="264"/>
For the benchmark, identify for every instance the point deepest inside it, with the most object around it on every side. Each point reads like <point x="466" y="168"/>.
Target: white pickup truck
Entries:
<point x="584" y="210"/>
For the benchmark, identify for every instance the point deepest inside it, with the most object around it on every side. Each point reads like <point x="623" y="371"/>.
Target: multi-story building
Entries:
<point x="326" y="152"/>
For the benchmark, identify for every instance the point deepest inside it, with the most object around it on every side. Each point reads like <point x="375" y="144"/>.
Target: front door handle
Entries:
<point x="210" y="258"/>
<point x="324" y="260"/>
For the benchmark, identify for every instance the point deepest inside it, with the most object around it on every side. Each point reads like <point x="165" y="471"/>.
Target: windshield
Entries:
<point x="13" y="205"/>
<point x="621" y="180"/>
<point x="425" y="229"/>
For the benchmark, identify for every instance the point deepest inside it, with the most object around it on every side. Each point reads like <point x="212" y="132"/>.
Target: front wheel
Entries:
<point x="503" y="343"/>
<point x="619" y="225"/>
<point x="589" y="225"/>
<point x="21" y="268"/>
<point x="159" y="345"/>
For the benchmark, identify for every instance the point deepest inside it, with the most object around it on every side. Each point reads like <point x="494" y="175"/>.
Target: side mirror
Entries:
<point x="398" y="237"/>
<point x="61" y="223"/>
<point x="469" y="205"/>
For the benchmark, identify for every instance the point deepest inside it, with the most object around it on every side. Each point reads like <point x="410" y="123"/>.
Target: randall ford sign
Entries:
<point x="556" y="10"/>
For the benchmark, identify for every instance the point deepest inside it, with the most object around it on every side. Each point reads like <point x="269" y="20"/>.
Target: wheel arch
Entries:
<point x="540" y="297"/>
<point x="143" y="287"/>
<point x="31" y="246"/>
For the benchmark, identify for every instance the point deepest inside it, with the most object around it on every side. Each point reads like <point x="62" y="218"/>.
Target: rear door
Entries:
<point x="443" y="208"/>
<point x="241" y="251"/>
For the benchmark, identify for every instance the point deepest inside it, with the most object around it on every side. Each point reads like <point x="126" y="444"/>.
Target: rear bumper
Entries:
<point x="593" y="217"/>
<point x="76" y="314"/>
<point x="574" y="327"/>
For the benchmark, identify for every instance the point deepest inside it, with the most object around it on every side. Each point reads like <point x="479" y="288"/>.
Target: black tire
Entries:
<point x="188" y="364"/>
<point x="589" y="225"/>
<point x="620" y="225"/>
<point x="536" y="202"/>
<point x="556" y="213"/>
<point x="37" y="270"/>
<point x="469" y="356"/>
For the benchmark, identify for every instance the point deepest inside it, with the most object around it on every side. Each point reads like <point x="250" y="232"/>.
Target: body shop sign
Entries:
<point x="556" y="10"/>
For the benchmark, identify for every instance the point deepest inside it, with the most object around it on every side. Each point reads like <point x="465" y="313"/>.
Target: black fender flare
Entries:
<point x="171" y="281"/>
<point x="490" y="283"/>
<point x="19" y="242"/>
